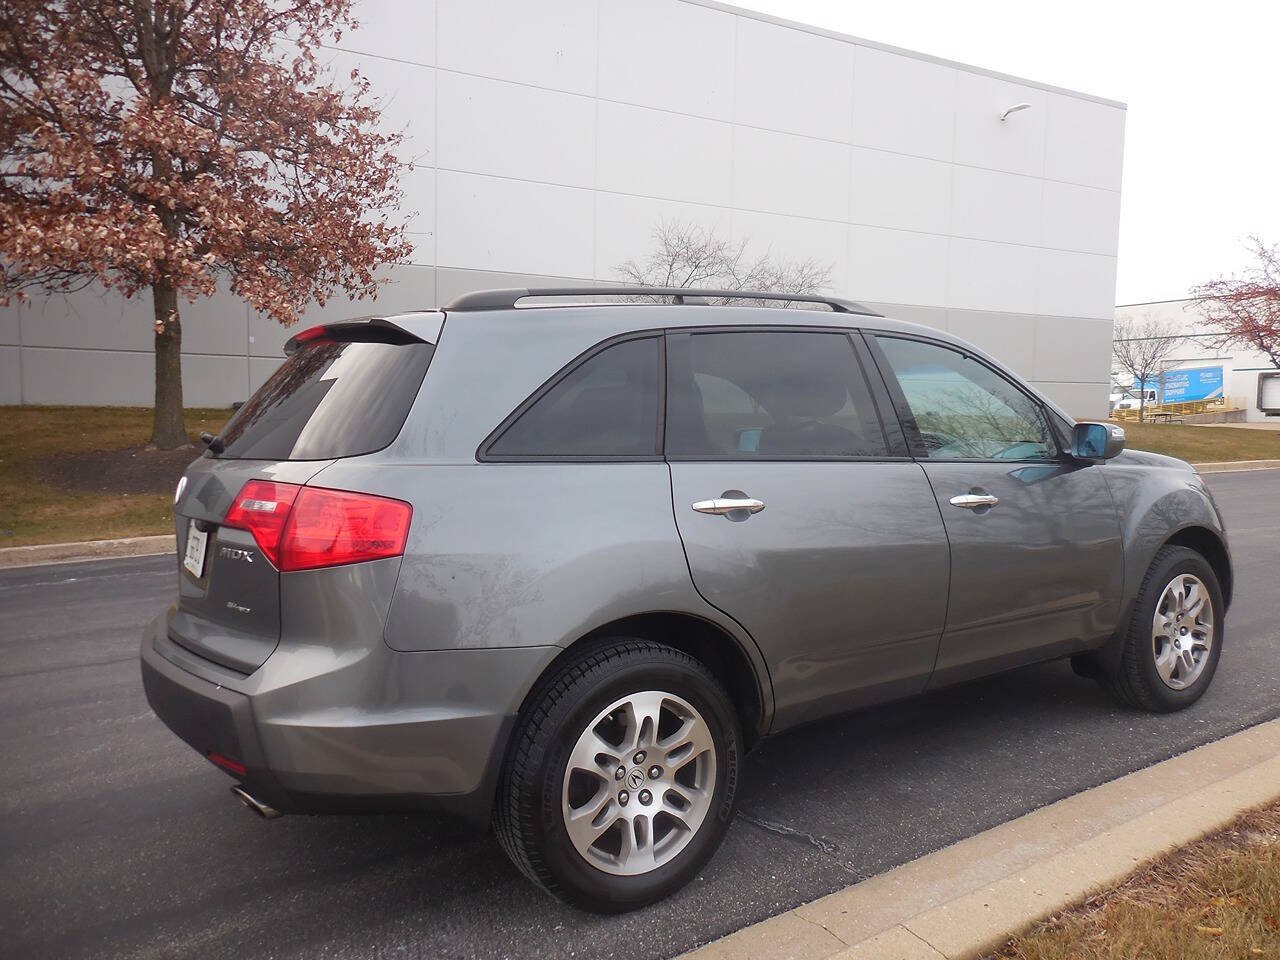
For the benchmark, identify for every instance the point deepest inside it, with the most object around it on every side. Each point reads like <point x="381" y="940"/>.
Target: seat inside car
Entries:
<point x="799" y="410"/>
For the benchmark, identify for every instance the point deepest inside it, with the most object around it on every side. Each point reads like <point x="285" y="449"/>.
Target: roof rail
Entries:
<point x="507" y="299"/>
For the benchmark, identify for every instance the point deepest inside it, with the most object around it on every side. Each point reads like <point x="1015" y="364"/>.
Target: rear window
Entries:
<point x="329" y="399"/>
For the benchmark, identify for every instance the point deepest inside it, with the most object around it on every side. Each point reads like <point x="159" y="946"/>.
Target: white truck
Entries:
<point x="1131" y="399"/>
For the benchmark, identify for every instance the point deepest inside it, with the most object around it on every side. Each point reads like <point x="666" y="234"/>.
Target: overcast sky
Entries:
<point x="1202" y="83"/>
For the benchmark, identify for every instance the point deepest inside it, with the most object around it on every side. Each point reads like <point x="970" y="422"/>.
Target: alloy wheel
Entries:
<point x="639" y="783"/>
<point x="1182" y="631"/>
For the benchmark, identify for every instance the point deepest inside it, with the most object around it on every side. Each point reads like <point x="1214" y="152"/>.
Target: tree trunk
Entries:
<point x="168" y="430"/>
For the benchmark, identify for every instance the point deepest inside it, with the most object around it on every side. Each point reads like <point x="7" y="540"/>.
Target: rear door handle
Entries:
<point x="974" y="501"/>
<point x="722" y="506"/>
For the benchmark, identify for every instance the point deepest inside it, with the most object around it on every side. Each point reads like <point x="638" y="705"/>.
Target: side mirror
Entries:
<point x="1096" y="442"/>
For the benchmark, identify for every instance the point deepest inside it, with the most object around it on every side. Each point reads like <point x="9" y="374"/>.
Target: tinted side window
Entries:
<point x="331" y="398"/>
<point x="963" y="408"/>
<point x="764" y="395"/>
<point x="607" y="406"/>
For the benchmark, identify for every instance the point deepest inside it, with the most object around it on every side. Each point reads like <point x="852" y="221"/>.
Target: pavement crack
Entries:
<point x="928" y="946"/>
<point x="829" y="847"/>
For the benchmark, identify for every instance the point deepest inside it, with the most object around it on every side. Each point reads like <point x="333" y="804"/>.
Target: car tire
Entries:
<point x="588" y="819"/>
<point x="1162" y="667"/>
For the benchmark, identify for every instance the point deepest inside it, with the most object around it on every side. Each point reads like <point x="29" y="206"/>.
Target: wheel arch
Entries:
<point x="1209" y="545"/>
<point x="1142" y="546"/>
<point x="710" y="643"/>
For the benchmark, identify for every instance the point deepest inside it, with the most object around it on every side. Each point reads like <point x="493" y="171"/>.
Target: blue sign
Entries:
<point x="1193" y="383"/>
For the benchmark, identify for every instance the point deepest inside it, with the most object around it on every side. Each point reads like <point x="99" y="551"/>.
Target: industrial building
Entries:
<point x="550" y="139"/>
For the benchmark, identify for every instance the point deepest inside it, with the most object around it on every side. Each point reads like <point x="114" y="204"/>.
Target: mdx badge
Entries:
<point x="235" y="553"/>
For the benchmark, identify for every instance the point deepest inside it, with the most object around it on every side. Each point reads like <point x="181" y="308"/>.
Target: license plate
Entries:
<point x="197" y="540"/>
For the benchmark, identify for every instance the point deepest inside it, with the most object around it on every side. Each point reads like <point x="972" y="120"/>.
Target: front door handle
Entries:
<point x="723" y="506"/>
<point x="974" y="501"/>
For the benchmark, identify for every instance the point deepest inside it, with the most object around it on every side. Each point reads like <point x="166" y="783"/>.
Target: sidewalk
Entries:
<point x="42" y="553"/>
<point x="970" y="897"/>
<point x="1272" y="424"/>
<point x="1236" y="466"/>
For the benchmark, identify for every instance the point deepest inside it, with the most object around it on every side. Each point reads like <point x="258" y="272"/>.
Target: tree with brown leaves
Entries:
<point x="686" y="255"/>
<point x="167" y="144"/>
<point x="1246" y="309"/>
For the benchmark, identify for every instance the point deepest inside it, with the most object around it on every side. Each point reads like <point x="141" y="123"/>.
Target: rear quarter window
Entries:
<point x="605" y="407"/>
<point x="329" y="399"/>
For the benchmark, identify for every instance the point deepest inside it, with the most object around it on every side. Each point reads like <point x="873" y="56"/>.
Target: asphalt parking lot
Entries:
<point x="118" y="840"/>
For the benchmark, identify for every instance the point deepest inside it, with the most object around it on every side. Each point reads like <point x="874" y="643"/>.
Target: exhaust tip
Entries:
<point x="265" y="811"/>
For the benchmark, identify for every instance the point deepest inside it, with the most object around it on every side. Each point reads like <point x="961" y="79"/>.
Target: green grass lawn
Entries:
<point x="46" y="467"/>
<point x="1202" y="444"/>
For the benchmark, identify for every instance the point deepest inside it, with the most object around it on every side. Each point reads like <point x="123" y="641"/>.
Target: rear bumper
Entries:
<point x="324" y="731"/>
<point x="210" y="718"/>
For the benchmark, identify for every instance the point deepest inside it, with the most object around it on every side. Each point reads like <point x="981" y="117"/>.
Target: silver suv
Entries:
<point x="556" y="567"/>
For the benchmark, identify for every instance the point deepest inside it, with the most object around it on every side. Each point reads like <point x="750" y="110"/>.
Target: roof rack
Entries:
<point x="507" y="299"/>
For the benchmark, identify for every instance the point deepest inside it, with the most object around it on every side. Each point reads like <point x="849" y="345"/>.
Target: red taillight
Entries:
<point x="302" y="528"/>
<point x="262" y="507"/>
<point x="331" y="527"/>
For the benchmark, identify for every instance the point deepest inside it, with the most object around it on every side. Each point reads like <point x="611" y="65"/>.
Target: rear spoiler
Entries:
<point x="365" y="330"/>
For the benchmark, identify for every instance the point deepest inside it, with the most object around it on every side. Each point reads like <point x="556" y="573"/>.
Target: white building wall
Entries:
<point x="1240" y="366"/>
<point x="550" y="139"/>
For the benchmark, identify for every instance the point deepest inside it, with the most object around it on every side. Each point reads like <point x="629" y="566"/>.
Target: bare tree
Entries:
<point x="1141" y="347"/>
<point x="687" y="255"/>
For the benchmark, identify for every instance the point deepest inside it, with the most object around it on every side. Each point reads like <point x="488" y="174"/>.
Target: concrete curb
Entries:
<point x="969" y="898"/>
<point x="1235" y="466"/>
<point x="43" y="553"/>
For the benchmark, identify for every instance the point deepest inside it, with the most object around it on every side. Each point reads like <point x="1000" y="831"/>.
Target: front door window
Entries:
<point x="963" y="409"/>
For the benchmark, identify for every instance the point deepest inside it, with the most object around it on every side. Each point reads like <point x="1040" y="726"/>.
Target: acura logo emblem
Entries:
<point x="635" y="779"/>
